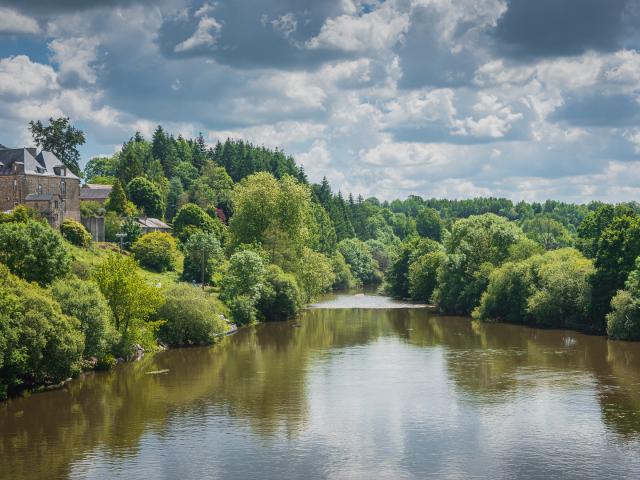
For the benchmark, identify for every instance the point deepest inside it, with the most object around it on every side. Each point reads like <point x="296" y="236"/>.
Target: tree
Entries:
<point x="475" y="246"/>
<point x="132" y="231"/>
<point x="202" y="253"/>
<point x="145" y="195"/>
<point x="176" y="198"/>
<point x="100" y="167"/>
<point x="359" y="258"/>
<point x="314" y="273"/>
<point x="546" y="231"/>
<point x="423" y="275"/>
<point x="135" y="159"/>
<point x="242" y="284"/>
<point x="83" y="300"/>
<point x="163" y="149"/>
<point x="429" y="224"/>
<point x="192" y="218"/>
<point x="33" y="251"/>
<point x="75" y="233"/>
<point x="131" y="300"/>
<point x="38" y="343"/>
<point x="117" y="199"/>
<point x="156" y="251"/>
<point x="61" y="139"/>
<point x="397" y="276"/>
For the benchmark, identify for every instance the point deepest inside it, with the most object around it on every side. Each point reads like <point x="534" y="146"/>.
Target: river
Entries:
<point x="359" y="387"/>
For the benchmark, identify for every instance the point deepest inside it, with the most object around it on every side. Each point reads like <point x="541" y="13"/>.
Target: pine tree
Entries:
<point x="117" y="200"/>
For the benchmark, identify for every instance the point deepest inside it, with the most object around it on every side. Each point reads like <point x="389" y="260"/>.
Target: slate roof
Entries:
<point x="153" y="223"/>
<point x="44" y="163"/>
<point x="95" y="192"/>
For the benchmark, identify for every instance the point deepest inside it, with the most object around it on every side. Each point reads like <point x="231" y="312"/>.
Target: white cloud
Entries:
<point x="206" y="35"/>
<point x="13" y="22"/>
<point x="21" y="77"/>
<point x="75" y="56"/>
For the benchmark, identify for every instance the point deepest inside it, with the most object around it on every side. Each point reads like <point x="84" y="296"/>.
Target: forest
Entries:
<point x="253" y="240"/>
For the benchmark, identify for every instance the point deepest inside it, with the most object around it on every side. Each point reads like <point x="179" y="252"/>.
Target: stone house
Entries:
<point x="148" y="225"/>
<point x="95" y="193"/>
<point x="39" y="181"/>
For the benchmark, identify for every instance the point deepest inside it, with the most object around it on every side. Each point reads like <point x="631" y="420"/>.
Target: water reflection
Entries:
<point x="351" y="392"/>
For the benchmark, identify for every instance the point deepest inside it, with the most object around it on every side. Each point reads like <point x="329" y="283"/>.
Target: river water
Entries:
<point x="360" y="387"/>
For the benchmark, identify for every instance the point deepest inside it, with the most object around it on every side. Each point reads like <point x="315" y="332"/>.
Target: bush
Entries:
<point x="84" y="301"/>
<point x="156" y="251"/>
<point x="91" y="208"/>
<point x="243" y="310"/>
<point x="280" y="298"/>
<point x="75" y="233"/>
<point x="38" y="343"/>
<point x="34" y="251"/>
<point x="423" y="275"/>
<point x="191" y="317"/>
<point x="112" y="225"/>
<point x="314" y="273"/>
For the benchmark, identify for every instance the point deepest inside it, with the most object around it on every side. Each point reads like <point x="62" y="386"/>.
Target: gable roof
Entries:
<point x="149" y="222"/>
<point x="44" y="163"/>
<point x="95" y="192"/>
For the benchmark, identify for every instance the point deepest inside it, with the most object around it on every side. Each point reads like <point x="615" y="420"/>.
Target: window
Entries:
<point x="55" y="204"/>
<point x="15" y="185"/>
<point x="39" y="189"/>
<point x="63" y="187"/>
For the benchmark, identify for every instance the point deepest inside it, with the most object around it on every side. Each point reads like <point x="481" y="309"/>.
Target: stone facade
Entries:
<point x="39" y="181"/>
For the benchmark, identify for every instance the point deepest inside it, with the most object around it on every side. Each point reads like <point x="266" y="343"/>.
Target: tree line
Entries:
<point x="260" y="242"/>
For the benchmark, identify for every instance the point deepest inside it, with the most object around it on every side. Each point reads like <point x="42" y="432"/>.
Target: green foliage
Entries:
<point x="146" y="196"/>
<point x="132" y="229"/>
<point x="191" y="218"/>
<point x="397" y="276"/>
<point x="33" y="251"/>
<point x="546" y="231"/>
<point x="91" y="208"/>
<point x="84" y="301"/>
<point x="117" y="199"/>
<point x="156" y="251"/>
<point x="274" y="213"/>
<point x="344" y="279"/>
<point x="135" y="159"/>
<point x="112" y="225"/>
<point x="176" y="198"/>
<point x="551" y="290"/>
<point x="38" y="343"/>
<point x="20" y="214"/>
<point x="475" y="246"/>
<point x="244" y="275"/>
<point x="60" y="138"/>
<point x="201" y="250"/>
<point x="75" y="233"/>
<point x="618" y="248"/>
<point x="358" y="256"/>
<point x="131" y="300"/>
<point x="429" y="224"/>
<point x="323" y="237"/>
<point x="243" y="309"/>
<point x="103" y="167"/>
<point x="423" y="275"/>
<point x="163" y="148"/>
<point x="623" y="322"/>
<point x="314" y="273"/>
<point x="191" y="317"/>
<point x="280" y="298"/>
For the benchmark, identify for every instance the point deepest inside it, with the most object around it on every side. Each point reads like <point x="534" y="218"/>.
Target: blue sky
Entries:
<point x="445" y="98"/>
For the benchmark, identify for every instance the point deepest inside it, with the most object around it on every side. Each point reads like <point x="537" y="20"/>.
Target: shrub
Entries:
<point x="38" y="343"/>
<point x="397" y="277"/>
<point x="156" y="251"/>
<point x="84" y="301"/>
<point x="242" y="284"/>
<point x="280" y="298"/>
<point x="91" y="208"/>
<point x="34" y="251"/>
<point x="243" y="310"/>
<point x="112" y="225"/>
<point x="624" y="320"/>
<point x="75" y="233"/>
<point x="191" y="317"/>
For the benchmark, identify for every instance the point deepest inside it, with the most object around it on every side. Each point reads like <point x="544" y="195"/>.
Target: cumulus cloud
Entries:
<point x="12" y="22"/>
<point x="451" y="98"/>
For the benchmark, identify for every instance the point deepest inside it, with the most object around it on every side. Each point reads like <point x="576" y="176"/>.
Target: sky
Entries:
<point x="523" y="99"/>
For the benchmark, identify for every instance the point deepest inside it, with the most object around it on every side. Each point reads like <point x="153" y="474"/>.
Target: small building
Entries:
<point x="149" y="225"/>
<point x="95" y="192"/>
<point x="39" y="181"/>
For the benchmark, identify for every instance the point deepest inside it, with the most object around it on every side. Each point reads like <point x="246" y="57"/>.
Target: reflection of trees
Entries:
<point x="259" y="377"/>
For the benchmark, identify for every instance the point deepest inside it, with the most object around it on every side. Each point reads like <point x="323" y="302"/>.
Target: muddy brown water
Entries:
<point x="361" y="387"/>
